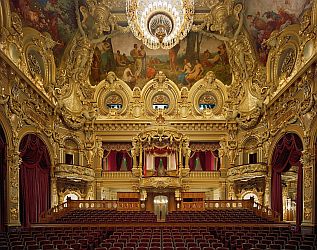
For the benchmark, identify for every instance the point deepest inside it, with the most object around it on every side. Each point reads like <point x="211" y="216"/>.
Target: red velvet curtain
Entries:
<point x="34" y="179"/>
<point x="207" y="160"/>
<point x="3" y="174"/>
<point x="120" y="158"/>
<point x="115" y="159"/>
<point x="112" y="161"/>
<point x="287" y="153"/>
<point x="157" y="162"/>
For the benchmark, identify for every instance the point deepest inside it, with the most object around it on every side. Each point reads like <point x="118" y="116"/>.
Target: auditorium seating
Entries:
<point x="218" y="229"/>
<point x="208" y="216"/>
<point x="106" y="216"/>
<point x="217" y="215"/>
<point x="156" y="238"/>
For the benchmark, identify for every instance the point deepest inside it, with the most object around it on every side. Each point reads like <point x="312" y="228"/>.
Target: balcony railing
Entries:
<point x="204" y="174"/>
<point x="74" y="172"/>
<point x="117" y="175"/>
<point x="259" y="209"/>
<point x="65" y="207"/>
<point x="248" y="170"/>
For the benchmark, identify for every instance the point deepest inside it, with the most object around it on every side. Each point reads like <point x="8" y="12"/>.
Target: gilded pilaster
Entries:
<point x="267" y="192"/>
<point x="54" y="194"/>
<point x="308" y="179"/>
<point x="14" y="162"/>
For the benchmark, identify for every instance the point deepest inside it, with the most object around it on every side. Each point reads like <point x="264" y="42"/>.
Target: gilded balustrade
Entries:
<point x="74" y="172"/>
<point x="65" y="207"/>
<point x="204" y="174"/>
<point x="259" y="209"/>
<point x="117" y="175"/>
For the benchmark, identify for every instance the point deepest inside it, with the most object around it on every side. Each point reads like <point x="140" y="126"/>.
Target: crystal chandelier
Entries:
<point x="160" y="23"/>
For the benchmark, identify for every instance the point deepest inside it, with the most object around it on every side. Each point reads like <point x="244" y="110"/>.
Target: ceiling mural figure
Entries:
<point x="96" y="24"/>
<point x="72" y="89"/>
<point x="265" y="17"/>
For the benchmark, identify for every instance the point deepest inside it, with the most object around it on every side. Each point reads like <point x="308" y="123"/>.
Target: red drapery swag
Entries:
<point x="3" y="173"/>
<point x="206" y="160"/>
<point x="287" y="153"/>
<point x="34" y="179"/>
<point x="118" y="159"/>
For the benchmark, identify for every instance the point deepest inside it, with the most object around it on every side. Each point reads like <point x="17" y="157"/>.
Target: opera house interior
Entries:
<point x="158" y="124"/>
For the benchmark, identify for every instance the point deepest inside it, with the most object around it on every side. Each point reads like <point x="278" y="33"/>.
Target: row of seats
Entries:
<point x="157" y="238"/>
<point x="48" y="238"/>
<point x="217" y="215"/>
<point x="106" y="216"/>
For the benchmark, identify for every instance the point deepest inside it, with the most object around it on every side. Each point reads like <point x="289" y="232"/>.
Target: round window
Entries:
<point x="114" y="101"/>
<point x="207" y="101"/>
<point x="160" y="101"/>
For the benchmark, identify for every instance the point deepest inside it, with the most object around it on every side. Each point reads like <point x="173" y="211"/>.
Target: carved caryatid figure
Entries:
<point x="95" y="23"/>
<point x="225" y="22"/>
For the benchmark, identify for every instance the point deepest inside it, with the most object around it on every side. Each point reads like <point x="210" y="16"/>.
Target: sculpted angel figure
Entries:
<point x="95" y="27"/>
<point x="225" y="23"/>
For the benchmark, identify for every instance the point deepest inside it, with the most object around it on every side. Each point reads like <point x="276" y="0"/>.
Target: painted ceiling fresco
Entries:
<point x="265" y="16"/>
<point x="136" y="65"/>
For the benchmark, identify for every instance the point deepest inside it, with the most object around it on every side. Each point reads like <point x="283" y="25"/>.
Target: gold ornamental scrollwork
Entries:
<point x="160" y="183"/>
<point x="75" y="172"/>
<point x="247" y="171"/>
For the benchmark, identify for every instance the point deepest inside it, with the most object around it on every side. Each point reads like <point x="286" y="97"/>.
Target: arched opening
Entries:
<point x="250" y="151"/>
<point x="286" y="156"/>
<point x="161" y="207"/>
<point x="3" y="180"/>
<point x="34" y="179"/>
<point x="72" y="196"/>
<point x="249" y="195"/>
<point x="71" y="150"/>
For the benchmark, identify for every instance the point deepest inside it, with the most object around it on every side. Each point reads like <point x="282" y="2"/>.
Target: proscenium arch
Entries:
<point x="34" y="178"/>
<point x="294" y="129"/>
<point x="287" y="153"/>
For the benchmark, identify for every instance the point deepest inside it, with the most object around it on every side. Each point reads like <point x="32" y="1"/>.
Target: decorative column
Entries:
<point x="180" y="156"/>
<point x="141" y="157"/>
<point x="134" y="152"/>
<point x="54" y="194"/>
<point x="231" y="194"/>
<point x="14" y="161"/>
<point x="91" y="191"/>
<point x="223" y="190"/>
<point x="308" y="185"/>
<point x="99" y="159"/>
<point x="187" y="155"/>
<point x="267" y="192"/>
<point x="222" y="152"/>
